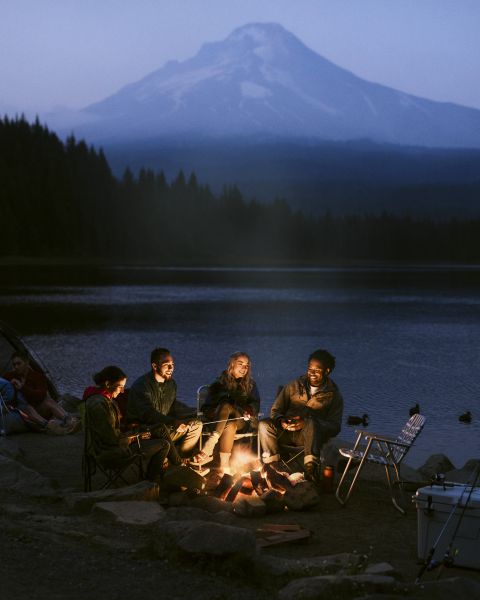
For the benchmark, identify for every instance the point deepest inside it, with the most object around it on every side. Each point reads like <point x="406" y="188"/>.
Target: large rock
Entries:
<point x="192" y="513"/>
<point x="249" y="507"/>
<point x="302" y="496"/>
<point x="203" y="538"/>
<point x="464" y="474"/>
<point x="211" y="504"/>
<point x="16" y="477"/>
<point x="333" y="586"/>
<point x="83" y="502"/>
<point x="436" y="463"/>
<point x="131" y="512"/>
<point x="410" y="475"/>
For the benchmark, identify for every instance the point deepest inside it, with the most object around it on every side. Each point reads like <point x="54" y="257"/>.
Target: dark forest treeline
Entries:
<point x="61" y="200"/>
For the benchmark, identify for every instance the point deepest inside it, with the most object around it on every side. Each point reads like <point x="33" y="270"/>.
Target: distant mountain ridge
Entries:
<point x="263" y="81"/>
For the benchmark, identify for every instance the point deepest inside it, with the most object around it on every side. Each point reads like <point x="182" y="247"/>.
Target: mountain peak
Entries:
<point x="259" y="33"/>
<point x="262" y="80"/>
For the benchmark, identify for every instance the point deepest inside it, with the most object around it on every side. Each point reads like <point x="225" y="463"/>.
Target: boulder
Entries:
<point x="204" y="539"/>
<point x="304" y="495"/>
<point x="249" y="507"/>
<point x="274" y="501"/>
<point x="436" y="463"/>
<point x="382" y="568"/>
<point x="16" y="477"/>
<point x="192" y="513"/>
<point x="410" y="475"/>
<point x="464" y="474"/>
<point x="211" y="504"/>
<point x="131" y="512"/>
<point x="337" y="586"/>
<point x="83" y="502"/>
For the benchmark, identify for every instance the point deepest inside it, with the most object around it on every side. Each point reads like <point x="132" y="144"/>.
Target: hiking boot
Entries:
<point x="311" y="472"/>
<point x="55" y="427"/>
<point x="73" y="424"/>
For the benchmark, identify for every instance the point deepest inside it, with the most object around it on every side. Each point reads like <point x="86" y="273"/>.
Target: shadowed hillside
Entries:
<point x="61" y="200"/>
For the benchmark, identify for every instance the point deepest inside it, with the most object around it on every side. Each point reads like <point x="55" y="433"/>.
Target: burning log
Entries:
<point x="235" y="489"/>
<point x="226" y="483"/>
<point x="275" y="480"/>
<point x="258" y="483"/>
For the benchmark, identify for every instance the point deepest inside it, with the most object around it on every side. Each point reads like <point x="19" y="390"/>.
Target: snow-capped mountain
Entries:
<point x="262" y="80"/>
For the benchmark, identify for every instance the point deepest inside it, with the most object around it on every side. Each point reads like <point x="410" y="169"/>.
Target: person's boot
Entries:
<point x="311" y="471"/>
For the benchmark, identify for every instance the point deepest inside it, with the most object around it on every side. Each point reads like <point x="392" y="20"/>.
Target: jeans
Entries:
<point x="272" y="436"/>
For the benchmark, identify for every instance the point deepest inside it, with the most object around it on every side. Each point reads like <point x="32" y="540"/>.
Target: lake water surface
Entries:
<point x="398" y="340"/>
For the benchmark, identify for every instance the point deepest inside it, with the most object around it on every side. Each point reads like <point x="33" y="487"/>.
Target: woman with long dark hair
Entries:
<point x="102" y="419"/>
<point x="233" y="400"/>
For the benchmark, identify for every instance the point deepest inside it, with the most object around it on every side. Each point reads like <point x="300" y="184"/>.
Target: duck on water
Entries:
<point x="363" y="420"/>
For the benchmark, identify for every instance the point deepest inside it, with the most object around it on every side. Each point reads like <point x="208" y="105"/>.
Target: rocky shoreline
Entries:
<point x="139" y="540"/>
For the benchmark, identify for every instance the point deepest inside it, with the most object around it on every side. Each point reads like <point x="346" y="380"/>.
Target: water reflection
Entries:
<point x="394" y="348"/>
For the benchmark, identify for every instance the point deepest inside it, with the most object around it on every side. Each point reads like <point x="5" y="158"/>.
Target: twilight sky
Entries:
<point x="73" y="52"/>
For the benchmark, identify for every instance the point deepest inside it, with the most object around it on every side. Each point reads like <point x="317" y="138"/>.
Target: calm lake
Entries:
<point x="400" y="336"/>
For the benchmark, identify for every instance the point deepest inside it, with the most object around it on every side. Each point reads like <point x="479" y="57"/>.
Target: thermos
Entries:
<point x="328" y="479"/>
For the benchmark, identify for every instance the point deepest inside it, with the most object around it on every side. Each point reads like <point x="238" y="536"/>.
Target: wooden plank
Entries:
<point x="284" y="537"/>
<point x="277" y="527"/>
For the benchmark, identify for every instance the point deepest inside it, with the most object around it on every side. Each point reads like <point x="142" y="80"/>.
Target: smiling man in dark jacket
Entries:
<point x="307" y="412"/>
<point x="152" y="401"/>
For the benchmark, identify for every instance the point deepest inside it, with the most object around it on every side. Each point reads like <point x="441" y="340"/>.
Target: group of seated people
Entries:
<point x="306" y="413"/>
<point x="26" y="404"/>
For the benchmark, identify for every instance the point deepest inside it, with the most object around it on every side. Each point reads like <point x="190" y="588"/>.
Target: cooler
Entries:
<point x="434" y="506"/>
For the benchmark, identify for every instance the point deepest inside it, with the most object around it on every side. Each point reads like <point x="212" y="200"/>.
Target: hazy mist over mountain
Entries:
<point x="263" y="81"/>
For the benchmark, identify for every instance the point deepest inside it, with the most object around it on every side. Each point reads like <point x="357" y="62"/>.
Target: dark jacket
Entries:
<point x="218" y="394"/>
<point x="325" y="406"/>
<point x="151" y="402"/>
<point x="103" y="427"/>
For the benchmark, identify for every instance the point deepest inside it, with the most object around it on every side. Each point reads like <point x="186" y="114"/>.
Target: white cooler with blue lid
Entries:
<point x="435" y="504"/>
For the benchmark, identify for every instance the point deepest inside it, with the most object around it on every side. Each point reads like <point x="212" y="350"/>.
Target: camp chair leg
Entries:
<point x="397" y="483"/>
<point x="338" y="494"/>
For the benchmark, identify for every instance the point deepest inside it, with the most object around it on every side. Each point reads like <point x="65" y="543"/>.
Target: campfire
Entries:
<point x="248" y="478"/>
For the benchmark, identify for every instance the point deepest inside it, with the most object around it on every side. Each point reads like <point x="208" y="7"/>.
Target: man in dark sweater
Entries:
<point x="152" y="401"/>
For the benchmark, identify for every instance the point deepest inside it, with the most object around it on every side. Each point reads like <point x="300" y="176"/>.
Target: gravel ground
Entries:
<point x="46" y="552"/>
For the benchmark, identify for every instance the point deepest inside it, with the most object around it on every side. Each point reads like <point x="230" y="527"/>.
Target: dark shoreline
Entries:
<point x="444" y="276"/>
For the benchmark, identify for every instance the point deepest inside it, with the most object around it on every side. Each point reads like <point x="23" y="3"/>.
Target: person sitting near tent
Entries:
<point x="12" y="418"/>
<point x="102" y="418"/>
<point x="152" y="402"/>
<point x="41" y="407"/>
<point x="307" y="412"/>
<point x="233" y="400"/>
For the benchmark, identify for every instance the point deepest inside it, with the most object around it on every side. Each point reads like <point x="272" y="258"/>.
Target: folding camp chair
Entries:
<point x="113" y="470"/>
<point x="380" y="450"/>
<point x="202" y="394"/>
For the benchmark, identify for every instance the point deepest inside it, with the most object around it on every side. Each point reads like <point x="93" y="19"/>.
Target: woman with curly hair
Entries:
<point x="230" y="397"/>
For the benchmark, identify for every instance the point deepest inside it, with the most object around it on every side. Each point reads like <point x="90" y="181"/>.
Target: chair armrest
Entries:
<point x="387" y="440"/>
<point x="364" y="432"/>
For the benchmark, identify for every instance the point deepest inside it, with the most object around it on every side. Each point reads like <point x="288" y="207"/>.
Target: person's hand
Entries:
<point x="295" y="423"/>
<point x="247" y="413"/>
<point x="181" y="427"/>
<point x="145" y="435"/>
<point x="17" y="384"/>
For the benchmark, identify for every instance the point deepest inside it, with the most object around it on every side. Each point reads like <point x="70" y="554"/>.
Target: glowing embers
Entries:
<point x="248" y="478"/>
